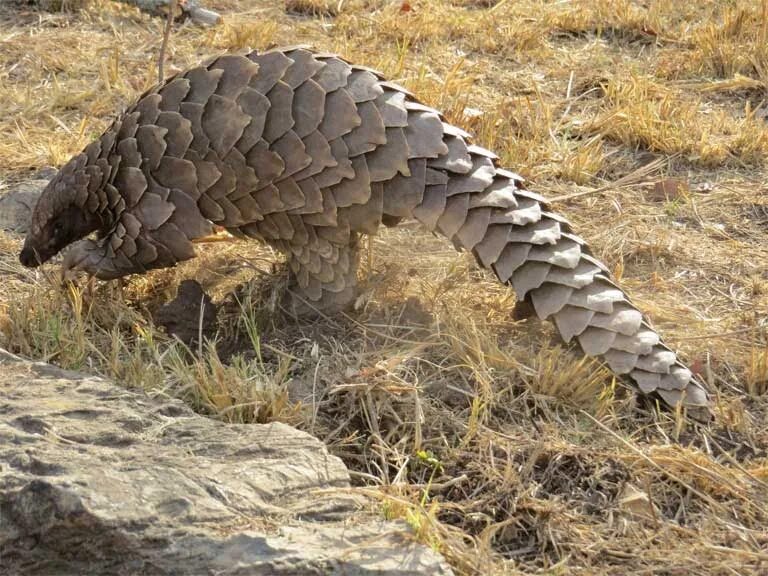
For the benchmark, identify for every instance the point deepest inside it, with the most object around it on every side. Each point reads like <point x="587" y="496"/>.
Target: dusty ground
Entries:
<point x="646" y="121"/>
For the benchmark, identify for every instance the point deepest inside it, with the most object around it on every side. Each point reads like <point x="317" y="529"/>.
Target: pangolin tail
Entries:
<point x="510" y="230"/>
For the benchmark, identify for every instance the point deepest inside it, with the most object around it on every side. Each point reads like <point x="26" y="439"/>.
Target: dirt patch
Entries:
<point x="191" y="316"/>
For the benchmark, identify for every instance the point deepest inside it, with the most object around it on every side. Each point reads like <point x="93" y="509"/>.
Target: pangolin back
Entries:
<point x="306" y="151"/>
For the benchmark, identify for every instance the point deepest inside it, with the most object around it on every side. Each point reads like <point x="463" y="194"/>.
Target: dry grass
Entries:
<point x="501" y="448"/>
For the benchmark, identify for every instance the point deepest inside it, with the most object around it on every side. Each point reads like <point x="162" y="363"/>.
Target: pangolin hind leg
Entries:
<point x="323" y="277"/>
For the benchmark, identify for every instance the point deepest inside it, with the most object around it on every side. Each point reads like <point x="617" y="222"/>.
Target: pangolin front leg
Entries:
<point x="306" y="152"/>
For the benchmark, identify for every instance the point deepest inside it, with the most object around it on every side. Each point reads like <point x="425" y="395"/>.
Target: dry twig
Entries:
<point x="166" y="36"/>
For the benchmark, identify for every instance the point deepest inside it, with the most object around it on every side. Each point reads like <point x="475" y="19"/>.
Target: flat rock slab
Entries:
<point x="17" y="203"/>
<point x="96" y="479"/>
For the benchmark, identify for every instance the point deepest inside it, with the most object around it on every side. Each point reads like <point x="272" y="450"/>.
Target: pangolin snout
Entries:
<point x="29" y="257"/>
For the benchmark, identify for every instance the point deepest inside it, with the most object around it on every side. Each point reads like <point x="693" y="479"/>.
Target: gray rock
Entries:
<point x="96" y="479"/>
<point x="45" y="173"/>
<point x="17" y="203"/>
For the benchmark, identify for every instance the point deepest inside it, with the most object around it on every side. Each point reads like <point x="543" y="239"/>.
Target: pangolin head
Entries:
<point x="61" y="215"/>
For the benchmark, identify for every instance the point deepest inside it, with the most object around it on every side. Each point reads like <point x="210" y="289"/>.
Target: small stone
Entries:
<point x="470" y="113"/>
<point x="17" y="203"/>
<point x="669" y="189"/>
<point x="637" y="503"/>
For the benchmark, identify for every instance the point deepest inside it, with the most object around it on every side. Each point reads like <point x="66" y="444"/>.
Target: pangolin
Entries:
<point x="306" y="151"/>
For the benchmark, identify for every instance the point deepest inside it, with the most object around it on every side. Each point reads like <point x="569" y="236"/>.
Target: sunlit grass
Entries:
<point x="496" y="443"/>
